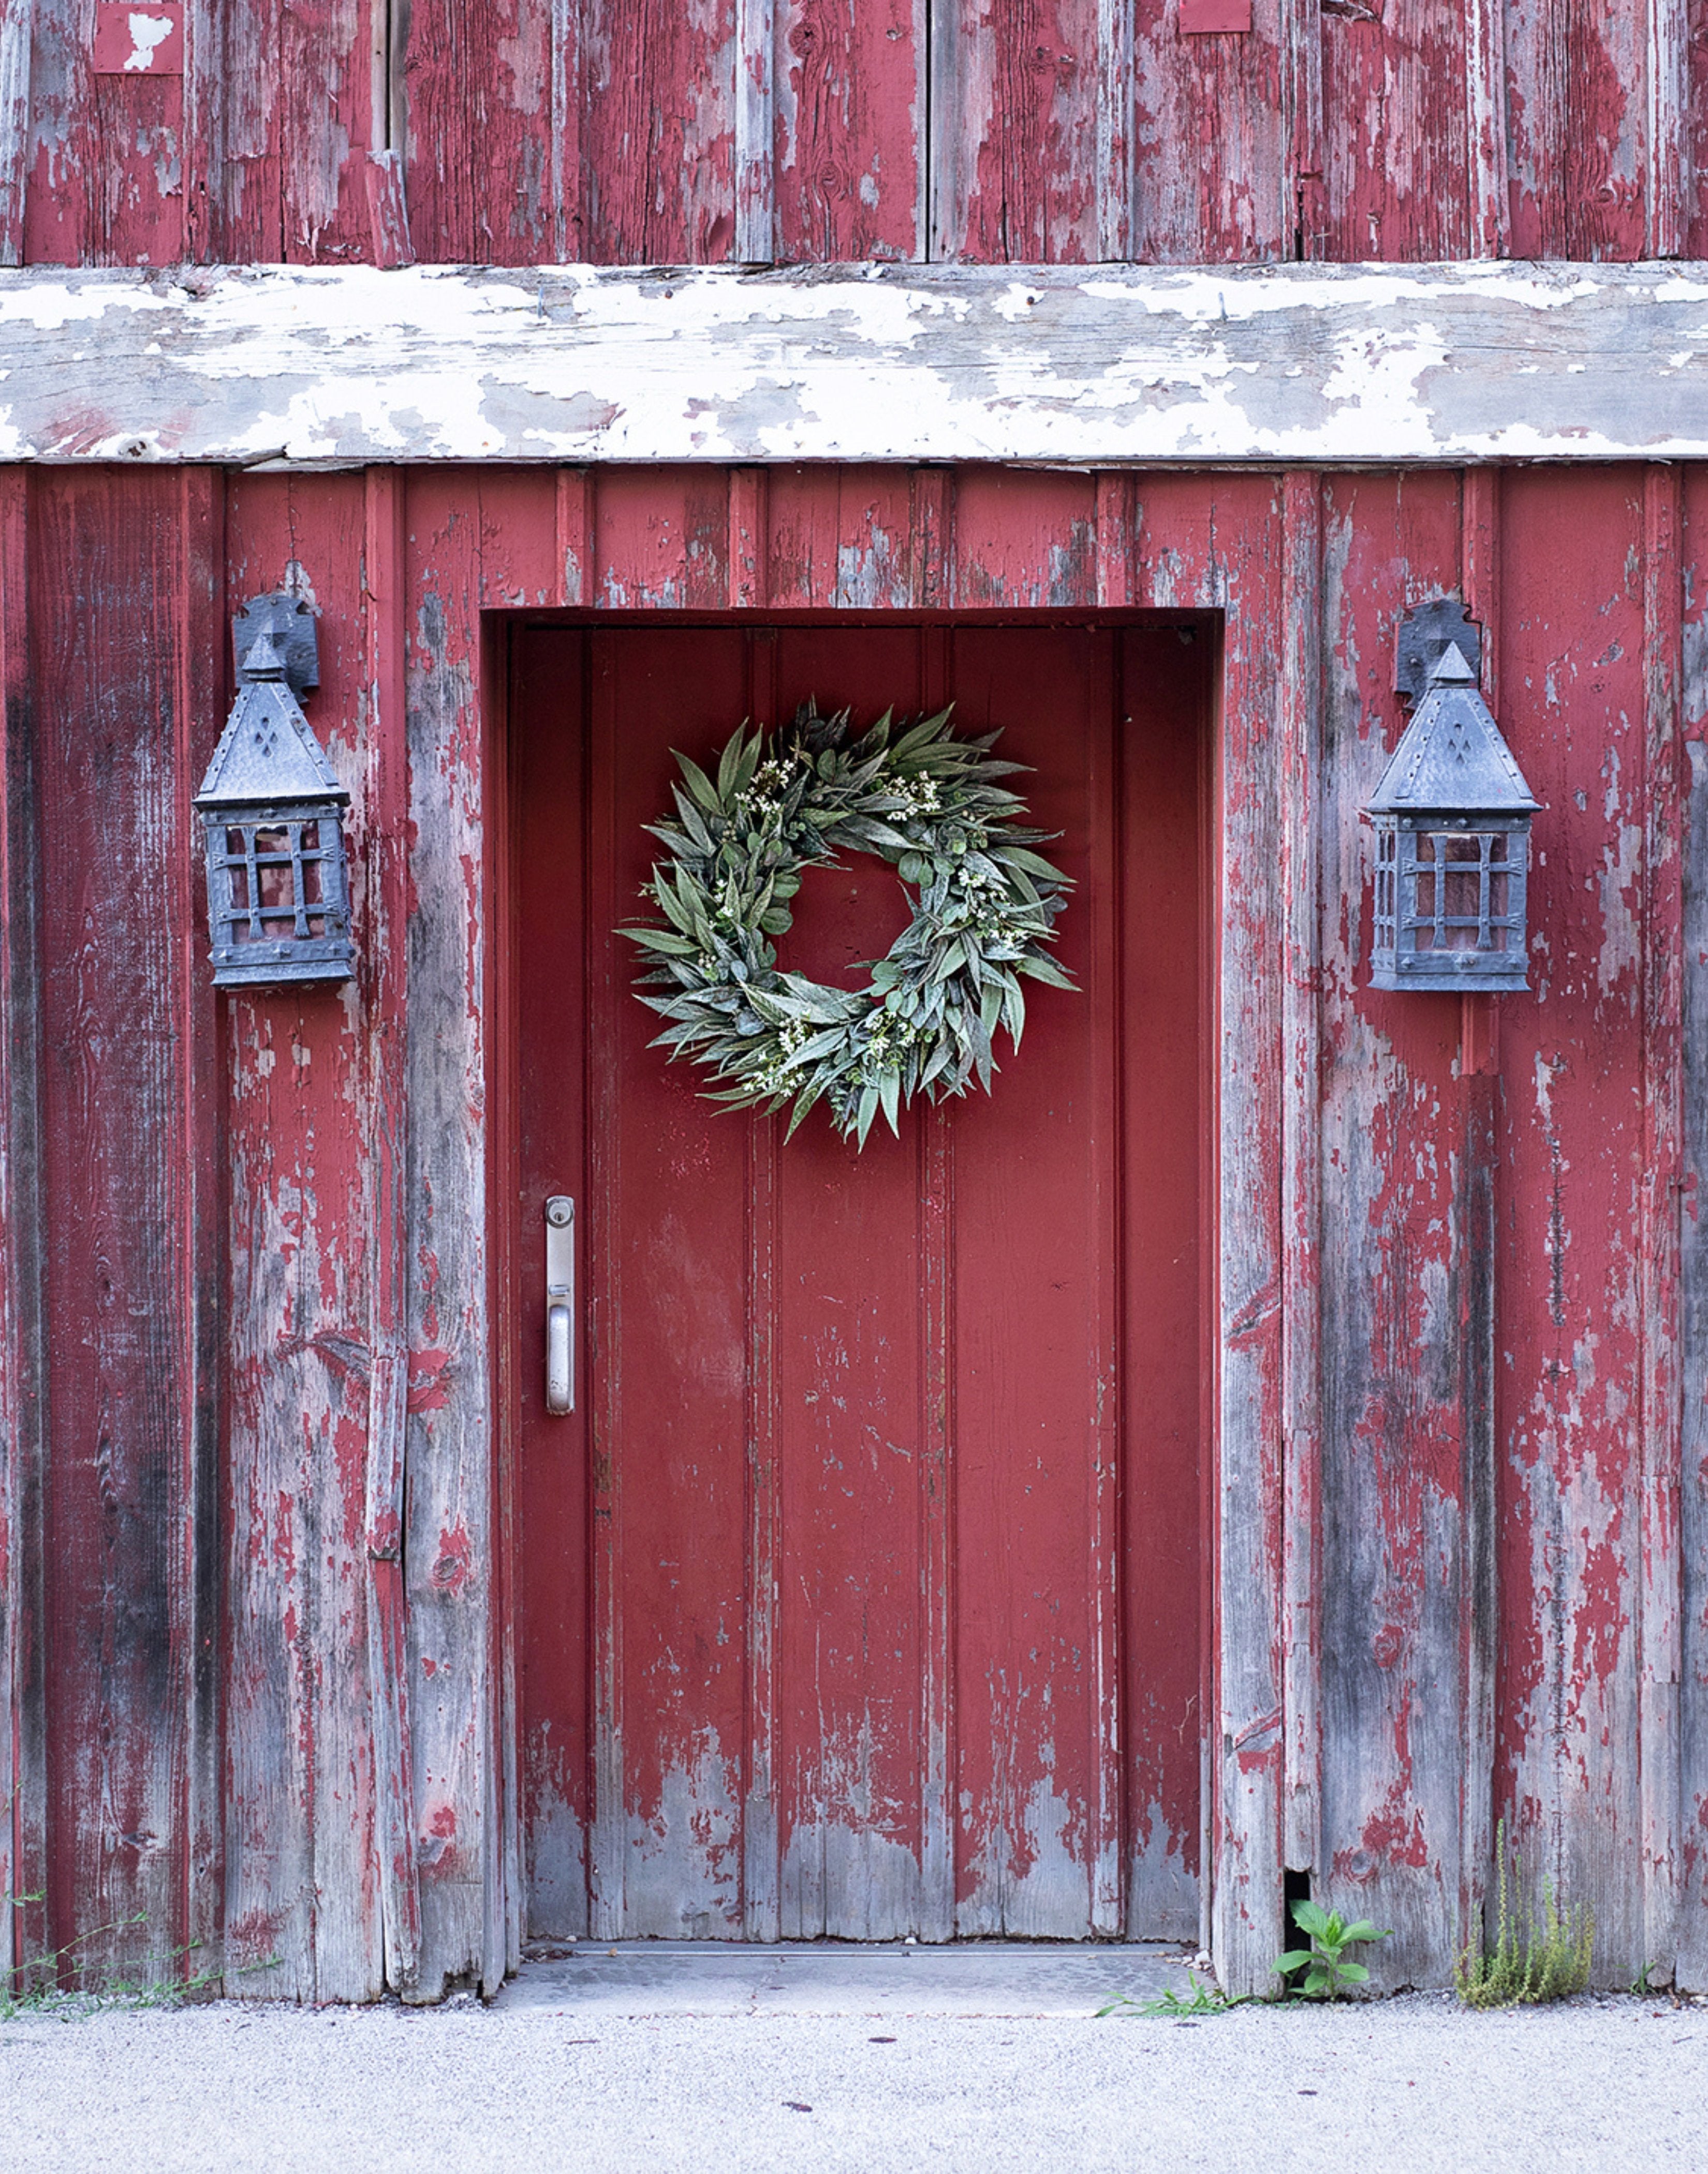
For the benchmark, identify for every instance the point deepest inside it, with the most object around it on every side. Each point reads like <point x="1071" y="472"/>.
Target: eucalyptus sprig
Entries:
<point x="985" y="906"/>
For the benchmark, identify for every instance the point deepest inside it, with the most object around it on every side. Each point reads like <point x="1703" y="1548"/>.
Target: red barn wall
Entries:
<point x="252" y="1510"/>
<point x="1072" y="130"/>
<point x="256" y="1544"/>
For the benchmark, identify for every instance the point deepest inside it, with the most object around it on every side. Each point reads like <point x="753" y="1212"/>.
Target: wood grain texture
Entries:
<point x="313" y="1885"/>
<point x="1212" y="181"/>
<point x="1326" y="365"/>
<point x="849" y="103"/>
<point x="1301" y="1167"/>
<point x="1486" y="128"/>
<point x="384" y="1120"/>
<point x="814" y="130"/>
<point x="1576" y="104"/>
<point x="658" y="131"/>
<point x="299" y="114"/>
<point x="1482" y="558"/>
<point x="1400" y="1287"/>
<point x="123" y="1265"/>
<point x="23" y="1775"/>
<point x="1657" y="1534"/>
<point x="450" y="1565"/>
<point x="1692" y="1861"/>
<point x="1512" y="1273"/>
<point x="1569" y="1391"/>
<point x="1016" y="91"/>
<point x="493" y="97"/>
<point x="1400" y="171"/>
<point x="17" y="24"/>
<point x="1221" y="549"/>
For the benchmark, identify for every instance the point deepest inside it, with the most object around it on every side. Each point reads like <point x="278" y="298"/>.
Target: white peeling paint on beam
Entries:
<point x="1189" y="366"/>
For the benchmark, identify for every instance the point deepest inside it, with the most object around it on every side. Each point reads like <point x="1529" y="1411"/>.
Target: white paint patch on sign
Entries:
<point x="138" y="41"/>
<point x="1371" y="365"/>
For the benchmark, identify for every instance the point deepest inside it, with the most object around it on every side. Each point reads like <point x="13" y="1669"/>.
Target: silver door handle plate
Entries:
<point x="561" y="1304"/>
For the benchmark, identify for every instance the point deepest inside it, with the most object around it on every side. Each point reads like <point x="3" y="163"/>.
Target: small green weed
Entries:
<point x="1207" y="1998"/>
<point x="1532" y="1958"/>
<point x="33" y="1986"/>
<point x="1323" y="1963"/>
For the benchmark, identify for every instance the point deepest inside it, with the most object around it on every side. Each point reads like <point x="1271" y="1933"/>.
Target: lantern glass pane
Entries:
<point x="1461" y="899"/>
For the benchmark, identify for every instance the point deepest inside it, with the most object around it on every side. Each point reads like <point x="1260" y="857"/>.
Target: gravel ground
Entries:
<point x="1407" y="2084"/>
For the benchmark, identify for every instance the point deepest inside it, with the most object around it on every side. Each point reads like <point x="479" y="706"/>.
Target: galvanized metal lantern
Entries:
<point x="272" y="818"/>
<point x="1452" y="817"/>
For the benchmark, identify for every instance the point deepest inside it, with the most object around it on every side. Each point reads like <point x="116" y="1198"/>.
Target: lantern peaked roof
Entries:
<point x="1451" y="756"/>
<point x="268" y="751"/>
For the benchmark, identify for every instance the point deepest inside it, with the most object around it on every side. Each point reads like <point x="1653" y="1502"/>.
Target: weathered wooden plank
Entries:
<point x="1577" y="113"/>
<point x="1399" y="179"/>
<point x="490" y="90"/>
<point x="1220" y="548"/>
<point x="1213" y="182"/>
<point x="748" y="557"/>
<point x="1573" y="691"/>
<point x="1486" y="128"/>
<point x="118" y="1265"/>
<point x="1481" y="560"/>
<point x="383" y="1117"/>
<point x="1024" y="539"/>
<point x="658" y="131"/>
<point x="1394" y="1275"/>
<point x="1302" y="1168"/>
<point x="198" y="1596"/>
<point x="1315" y="365"/>
<point x="663" y="540"/>
<point x="1015" y="135"/>
<point x="849" y="97"/>
<point x="449" y="1530"/>
<point x="1669" y="181"/>
<point x="846" y="537"/>
<point x="755" y="131"/>
<point x="23" y="1775"/>
<point x="17" y="23"/>
<point x="1692" y="1866"/>
<point x="58" y="216"/>
<point x="305" y="99"/>
<point x="306" y="1911"/>
<point x="1656" y="1527"/>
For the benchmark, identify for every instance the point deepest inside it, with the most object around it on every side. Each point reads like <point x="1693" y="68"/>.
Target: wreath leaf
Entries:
<point x="985" y="908"/>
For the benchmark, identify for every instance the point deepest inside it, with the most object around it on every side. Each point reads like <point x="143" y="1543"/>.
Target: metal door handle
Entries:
<point x="561" y="1304"/>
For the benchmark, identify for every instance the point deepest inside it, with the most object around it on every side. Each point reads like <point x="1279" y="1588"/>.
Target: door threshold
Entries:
<point x="896" y="1979"/>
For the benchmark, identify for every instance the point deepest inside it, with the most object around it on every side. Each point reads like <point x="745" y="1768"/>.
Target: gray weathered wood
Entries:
<point x="1659" y="1571"/>
<point x="1309" y="364"/>
<point x="449" y="1531"/>
<point x="17" y="20"/>
<point x="1692" y="1967"/>
<point x="1300" y="722"/>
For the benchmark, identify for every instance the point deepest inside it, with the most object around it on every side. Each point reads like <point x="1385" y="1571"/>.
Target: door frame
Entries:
<point x="1260" y="1448"/>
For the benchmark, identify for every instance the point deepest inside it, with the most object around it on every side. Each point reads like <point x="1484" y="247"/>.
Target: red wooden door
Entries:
<point x="861" y="1594"/>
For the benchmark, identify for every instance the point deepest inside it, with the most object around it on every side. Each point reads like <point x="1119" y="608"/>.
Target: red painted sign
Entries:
<point x="133" y="39"/>
<point x="1197" y="17"/>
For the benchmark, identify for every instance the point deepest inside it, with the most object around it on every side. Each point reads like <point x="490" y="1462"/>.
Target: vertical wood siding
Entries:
<point x="276" y="1207"/>
<point x="611" y="131"/>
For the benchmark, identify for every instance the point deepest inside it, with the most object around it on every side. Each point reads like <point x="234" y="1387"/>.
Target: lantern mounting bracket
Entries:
<point x="1426" y="633"/>
<point x="289" y="619"/>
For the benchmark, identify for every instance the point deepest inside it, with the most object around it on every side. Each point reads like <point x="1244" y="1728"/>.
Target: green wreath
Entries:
<point x="985" y="907"/>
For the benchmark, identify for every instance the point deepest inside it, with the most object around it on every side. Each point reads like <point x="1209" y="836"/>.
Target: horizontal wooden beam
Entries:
<point x="1311" y="364"/>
